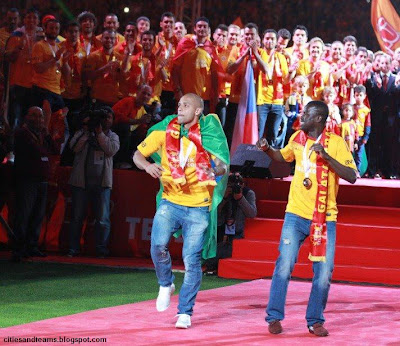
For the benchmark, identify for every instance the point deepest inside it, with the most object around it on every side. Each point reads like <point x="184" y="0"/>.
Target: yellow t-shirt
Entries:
<point x="195" y="72"/>
<point x="305" y="52"/>
<point x="305" y="68"/>
<point x="190" y="194"/>
<point x="363" y="119"/>
<point x="302" y="201"/>
<point x="43" y="51"/>
<point x="265" y="90"/>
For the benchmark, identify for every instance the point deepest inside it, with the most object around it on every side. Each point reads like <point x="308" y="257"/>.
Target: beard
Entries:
<point x="51" y="36"/>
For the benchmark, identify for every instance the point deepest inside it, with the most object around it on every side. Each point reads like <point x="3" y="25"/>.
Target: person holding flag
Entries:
<point x="321" y="159"/>
<point x="238" y="68"/>
<point x="191" y="159"/>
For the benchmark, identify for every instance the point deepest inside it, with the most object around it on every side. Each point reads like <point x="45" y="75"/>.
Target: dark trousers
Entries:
<point x="31" y="209"/>
<point x="220" y="109"/>
<point x="20" y="101"/>
<point x="231" y="111"/>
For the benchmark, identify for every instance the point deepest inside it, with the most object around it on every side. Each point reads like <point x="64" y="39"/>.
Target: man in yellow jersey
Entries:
<point x="195" y="66"/>
<point x="51" y="62"/>
<point x="164" y="49"/>
<point x="194" y="156"/>
<point x="103" y="70"/>
<point x="270" y="91"/>
<point x="300" y="37"/>
<point x="321" y="159"/>
<point x="18" y="54"/>
<point x="237" y="64"/>
<point x="315" y="69"/>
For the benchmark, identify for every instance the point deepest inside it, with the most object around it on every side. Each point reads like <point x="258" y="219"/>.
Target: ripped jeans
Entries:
<point x="295" y="229"/>
<point x="193" y="221"/>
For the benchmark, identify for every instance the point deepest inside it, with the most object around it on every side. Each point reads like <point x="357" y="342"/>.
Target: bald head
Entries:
<point x="196" y="100"/>
<point x="35" y="111"/>
<point x="190" y="108"/>
<point x="34" y="118"/>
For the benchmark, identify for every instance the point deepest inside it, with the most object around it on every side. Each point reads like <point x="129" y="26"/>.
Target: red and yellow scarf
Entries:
<point x="318" y="231"/>
<point x="173" y="150"/>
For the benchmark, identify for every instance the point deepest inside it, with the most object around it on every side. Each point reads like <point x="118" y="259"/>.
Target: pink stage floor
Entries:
<point x="356" y="315"/>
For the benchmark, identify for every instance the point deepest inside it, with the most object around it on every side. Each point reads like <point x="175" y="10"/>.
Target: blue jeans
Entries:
<point x="271" y="116"/>
<point x="100" y="201"/>
<point x="295" y="229"/>
<point x="193" y="221"/>
<point x="359" y="154"/>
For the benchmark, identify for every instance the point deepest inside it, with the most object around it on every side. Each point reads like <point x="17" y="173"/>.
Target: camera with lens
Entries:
<point x="96" y="118"/>
<point x="235" y="180"/>
<point x="92" y="118"/>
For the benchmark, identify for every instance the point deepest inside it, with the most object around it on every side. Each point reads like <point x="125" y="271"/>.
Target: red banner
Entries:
<point x="386" y="23"/>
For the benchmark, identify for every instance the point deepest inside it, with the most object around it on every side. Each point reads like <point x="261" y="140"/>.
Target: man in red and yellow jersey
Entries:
<point x="300" y="37"/>
<point x="220" y="37"/>
<point x="185" y="147"/>
<point x="130" y="44"/>
<point x="12" y="21"/>
<point x="88" y="22"/>
<point x="165" y="48"/>
<point x="111" y="23"/>
<point x="237" y="68"/>
<point x="19" y="56"/>
<point x="132" y="120"/>
<point x="74" y="89"/>
<point x="315" y="69"/>
<point x="321" y="159"/>
<point x="103" y="70"/>
<point x="270" y="92"/>
<point x="50" y="63"/>
<point x="143" y="66"/>
<point x="127" y="49"/>
<point x="195" y="67"/>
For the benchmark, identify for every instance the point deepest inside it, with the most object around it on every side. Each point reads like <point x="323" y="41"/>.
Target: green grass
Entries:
<point x="33" y="291"/>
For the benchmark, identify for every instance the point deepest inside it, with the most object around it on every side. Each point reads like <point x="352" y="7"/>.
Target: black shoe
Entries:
<point x="35" y="252"/>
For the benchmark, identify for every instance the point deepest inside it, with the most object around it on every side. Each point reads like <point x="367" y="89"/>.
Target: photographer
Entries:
<point x="133" y="117"/>
<point x="94" y="146"/>
<point x="238" y="204"/>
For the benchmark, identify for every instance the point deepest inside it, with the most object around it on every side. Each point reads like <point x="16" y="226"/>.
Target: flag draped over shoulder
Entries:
<point x="214" y="141"/>
<point x="386" y="23"/>
<point x="246" y="127"/>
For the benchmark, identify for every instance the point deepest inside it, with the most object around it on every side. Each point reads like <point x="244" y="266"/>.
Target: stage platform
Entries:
<point x="234" y="315"/>
<point x="368" y="234"/>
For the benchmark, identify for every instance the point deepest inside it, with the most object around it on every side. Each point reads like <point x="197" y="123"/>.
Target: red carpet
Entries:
<point x="356" y="315"/>
<point x="368" y="234"/>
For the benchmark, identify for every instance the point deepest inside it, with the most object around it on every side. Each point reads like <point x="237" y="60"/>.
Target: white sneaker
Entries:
<point x="164" y="297"/>
<point x="183" y="321"/>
